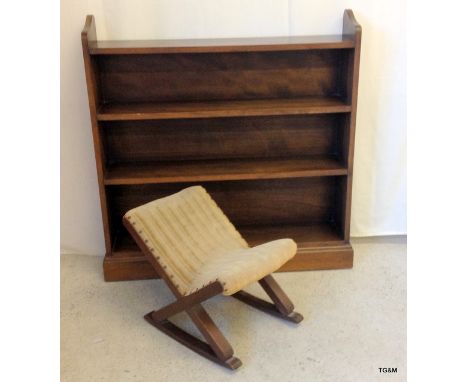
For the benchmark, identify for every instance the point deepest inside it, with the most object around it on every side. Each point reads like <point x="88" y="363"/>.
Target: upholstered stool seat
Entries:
<point x="239" y="268"/>
<point x="199" y="253"/>
<point x="189" y="235"/>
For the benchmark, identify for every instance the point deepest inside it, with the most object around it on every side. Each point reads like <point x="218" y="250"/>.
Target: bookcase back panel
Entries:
<point x="221" y="76"/>
<point x="255" y="137"/>
<point x="264" y="202"/>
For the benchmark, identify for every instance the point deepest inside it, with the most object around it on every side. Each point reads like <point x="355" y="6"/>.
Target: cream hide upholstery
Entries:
<point x="196" y="244"/>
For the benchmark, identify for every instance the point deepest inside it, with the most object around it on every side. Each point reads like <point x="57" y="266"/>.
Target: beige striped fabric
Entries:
<point x="196" y="244"/>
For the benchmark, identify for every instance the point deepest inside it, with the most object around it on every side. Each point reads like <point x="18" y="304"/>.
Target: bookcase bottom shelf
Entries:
<point x="319" y="247"/>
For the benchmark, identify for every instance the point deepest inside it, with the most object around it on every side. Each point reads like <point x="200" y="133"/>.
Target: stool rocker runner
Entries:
<point x="197" y="251"/>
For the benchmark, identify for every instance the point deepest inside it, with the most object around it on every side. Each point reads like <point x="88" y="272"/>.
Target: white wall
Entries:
<point x="379" y="191"/>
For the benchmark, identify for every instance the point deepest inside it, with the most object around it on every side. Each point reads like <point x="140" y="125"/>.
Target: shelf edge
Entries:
<point x="132" y="47"/>
<point x="108" y="116"/>
<point x="222" y="178"/>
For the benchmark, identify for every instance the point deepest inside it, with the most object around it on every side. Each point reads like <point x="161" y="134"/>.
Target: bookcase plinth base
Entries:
<point x="136" y="267"/>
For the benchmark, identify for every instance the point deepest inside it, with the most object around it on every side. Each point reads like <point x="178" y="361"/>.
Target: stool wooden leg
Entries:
<point x="214" y="337"/>
<point x="277" y="295"/>
<point x="217" y="348"/>
<point x="282" y="306"/>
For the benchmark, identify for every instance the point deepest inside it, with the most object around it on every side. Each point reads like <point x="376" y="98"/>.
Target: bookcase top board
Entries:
<point x="246" y="44"/>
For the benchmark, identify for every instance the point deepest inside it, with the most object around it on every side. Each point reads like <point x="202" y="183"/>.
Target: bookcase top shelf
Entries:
<point x="347" y="40"/>
<point x="257" y="44"/>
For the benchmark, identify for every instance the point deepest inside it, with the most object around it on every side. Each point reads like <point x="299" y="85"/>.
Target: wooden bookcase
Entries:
<point x="265" y="125"/>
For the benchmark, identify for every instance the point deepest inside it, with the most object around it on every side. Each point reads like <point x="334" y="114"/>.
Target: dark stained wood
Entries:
<point x="306" y="236"/>
<point x="185" y="302"/>
<point x="221" y="45"/>
<point x="266" y="125"/>
<point x="128" y="266"/>
<point x="320" y="246"/>
<point x="218" y="77"/>
<point x="213" y="109"/>
<point x="210" y="331"/>
<point x="351" y="29"/>
<point x="192" y="342"/>
<point x="217" y="170"/>
<point x="245" y="202"/>
<point x="282" y="306"/>
<point x="321" y="258"/>
<point x="266" y="306"/>
<point x="134" y="266"/>
<point x="88" y="35"/>
<point x="218" y="138"/>
<point x="279" y="298"/>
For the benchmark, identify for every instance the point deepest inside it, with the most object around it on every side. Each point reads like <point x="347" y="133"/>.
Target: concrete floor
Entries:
<point x="355" y="323"/>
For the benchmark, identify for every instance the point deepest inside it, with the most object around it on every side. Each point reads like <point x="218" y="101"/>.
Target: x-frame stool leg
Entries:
<point x="216" y="348"/>
<point x="282" y="306"/>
